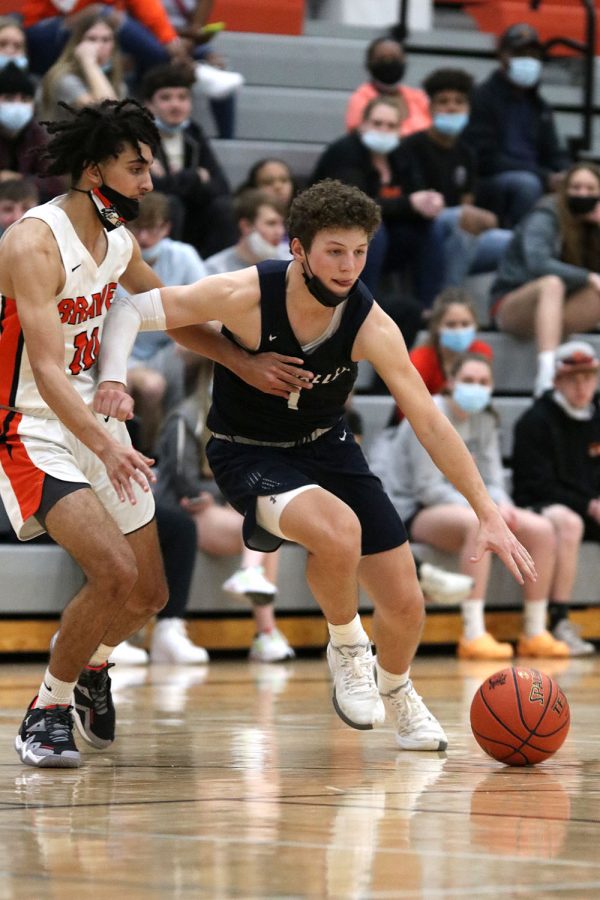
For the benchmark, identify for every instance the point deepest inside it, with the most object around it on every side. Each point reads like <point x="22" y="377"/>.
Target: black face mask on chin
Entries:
<point x="112" y="208"/>
<point x="388" y="71"/>
<point x="581" y="205"/>
<point x="322" y="293"/>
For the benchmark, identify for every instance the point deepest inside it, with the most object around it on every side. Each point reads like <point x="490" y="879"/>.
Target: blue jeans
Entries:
<point x="464" y="253"/>
<point x="510" y="195"/>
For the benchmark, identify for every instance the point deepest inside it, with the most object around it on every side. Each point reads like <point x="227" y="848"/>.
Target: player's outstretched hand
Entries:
<point x="112" y="400"/>
<point x="275" y="374"/>
<point x="125" y="465"/>
<point x="495" y="535"/>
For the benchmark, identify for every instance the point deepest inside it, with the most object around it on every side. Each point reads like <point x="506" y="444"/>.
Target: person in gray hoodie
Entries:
<point x="435" y="512"/>
<point x="548" y="281"/>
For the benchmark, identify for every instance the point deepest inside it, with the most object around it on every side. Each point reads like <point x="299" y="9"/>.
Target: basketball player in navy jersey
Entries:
<point x="63" y="468"/>
<point x="289" y="462"/>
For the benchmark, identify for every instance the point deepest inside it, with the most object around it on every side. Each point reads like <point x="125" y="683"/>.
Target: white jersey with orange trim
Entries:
<point x="82" y="305"/>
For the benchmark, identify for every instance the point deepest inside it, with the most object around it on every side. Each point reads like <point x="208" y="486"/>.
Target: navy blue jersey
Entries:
<point x="239" y="409"/>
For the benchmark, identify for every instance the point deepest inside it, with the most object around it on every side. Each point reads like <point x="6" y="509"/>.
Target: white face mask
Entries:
<point x="380" y="141"/>
<point x="151" y="254"/>
<point x="260" y="247"/>
<point x="524" y="71"/>
<point x="16" y="115"/>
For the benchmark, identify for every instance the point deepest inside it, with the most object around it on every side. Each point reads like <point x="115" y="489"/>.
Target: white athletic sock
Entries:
<point x="473" y="621"/>
<point x="545" y="372"/>
<point x="348" y="635"/>
<point x="387" y="682"/>
<point x="54" y="692"/>
<point x="534" y="617"/>
<point x="101" y="655"/>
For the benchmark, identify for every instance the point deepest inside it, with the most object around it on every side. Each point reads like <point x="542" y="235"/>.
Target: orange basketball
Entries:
<point x="520" y="716"/>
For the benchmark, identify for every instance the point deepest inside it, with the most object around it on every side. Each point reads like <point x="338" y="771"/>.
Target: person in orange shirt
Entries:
<point x="385" y="63"/>
<point x="452" y="332"/>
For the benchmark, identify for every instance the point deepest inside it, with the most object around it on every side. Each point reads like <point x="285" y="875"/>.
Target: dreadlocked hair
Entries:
<point x="95" y="133"/>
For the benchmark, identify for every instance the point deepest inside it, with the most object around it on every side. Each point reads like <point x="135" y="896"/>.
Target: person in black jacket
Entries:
<point x="185" y="166"/>
<point x="369" y="158"/>
<point x="556" y="467"/>
<point x="438" y="159"/>
<point x="512" y="130"/>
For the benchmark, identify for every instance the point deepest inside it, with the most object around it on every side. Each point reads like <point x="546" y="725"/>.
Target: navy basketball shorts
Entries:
<point x="334" y="462"/>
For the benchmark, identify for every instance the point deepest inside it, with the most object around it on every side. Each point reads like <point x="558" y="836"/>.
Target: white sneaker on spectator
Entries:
<point x="270" y="646"/>
<point x="355" y="696"/>
<point x="251" y="582"/>
<point x="567" y="632"/>
<point x="171" y="644"/>
<point x="416" y="728"/>
<point x="124" y="653"/>
<point x="128" y="655"/>
<point x="217" y="83"/>
<point x="445" y="587"/>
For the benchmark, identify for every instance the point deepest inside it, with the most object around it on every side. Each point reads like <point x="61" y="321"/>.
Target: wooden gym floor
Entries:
<point x="239" y="781"/>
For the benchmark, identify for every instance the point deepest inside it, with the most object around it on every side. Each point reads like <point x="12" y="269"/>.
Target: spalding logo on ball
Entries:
<point x="520" y="716"/>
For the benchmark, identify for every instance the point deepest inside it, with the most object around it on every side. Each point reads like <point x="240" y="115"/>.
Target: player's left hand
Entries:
<point x="495" y="535"/>
<point x="112" y="400"/>
<point x="275" y="374"/>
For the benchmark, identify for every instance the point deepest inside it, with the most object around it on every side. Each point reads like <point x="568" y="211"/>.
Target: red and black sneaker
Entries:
<point x="94" y="711"/>
<point x="45" y="738"/>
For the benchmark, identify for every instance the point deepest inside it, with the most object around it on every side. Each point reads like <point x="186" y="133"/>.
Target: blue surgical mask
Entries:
<point x="151" y="254"/>
<point x="471" y="398"/>
<point x="450" y="123"/>
<point x="380" y="141"/>
<point x="457" y="339"/>
<point x="16" y="115"/>
<point x="20" y="61"/>
<point x="524" y="71"/>
<point x="171" y="129"/>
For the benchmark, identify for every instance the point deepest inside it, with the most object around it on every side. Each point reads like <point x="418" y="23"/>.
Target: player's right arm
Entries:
<point x="33" y="275"/>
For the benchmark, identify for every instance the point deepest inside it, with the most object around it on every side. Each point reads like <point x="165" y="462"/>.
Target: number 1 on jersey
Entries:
<point x="293" y="400"/>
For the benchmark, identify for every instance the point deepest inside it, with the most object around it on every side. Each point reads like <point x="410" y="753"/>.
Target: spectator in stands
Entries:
<point x="370" y="159"/>
<point x="185" y="480"/>
<point x="22" y="140"/>
<point x="512" y="130"/>
<point x="548" y="282"/>
<point x="437" y="159"/>
<point x="385" y="62"/>
<point x="185" y="166"/>
<point x="156" y="374"/>
<point x="189" y="18"/>
<point x="436" y="514"/>
<point x="12" y="43"/>
<point x="274" y="177"/>
<point x="556" y="469"/>
<point x="17" y="195"/>
<point x="262" y="227"/>
<point x="142" y="26"/>
<point x="452" y="332"/>
<point x="88" y="70"/>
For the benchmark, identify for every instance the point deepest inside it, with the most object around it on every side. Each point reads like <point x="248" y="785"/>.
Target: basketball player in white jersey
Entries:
<point x="63" y="468"/>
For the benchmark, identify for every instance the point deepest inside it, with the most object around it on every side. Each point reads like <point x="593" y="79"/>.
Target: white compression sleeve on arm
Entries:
<point x="127" y="316"/>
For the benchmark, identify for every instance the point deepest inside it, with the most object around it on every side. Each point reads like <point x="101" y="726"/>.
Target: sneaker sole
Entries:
<point x="259" y="599"/>
<point x="439" y="745"/>
<point x="98" y="743"/>
<point x="361" y="727"/>
<point x="47" y="761"/>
